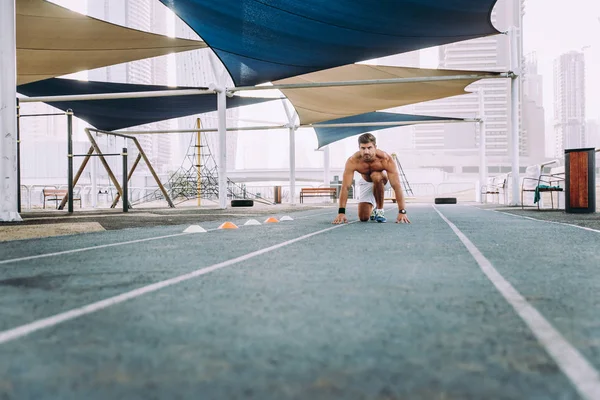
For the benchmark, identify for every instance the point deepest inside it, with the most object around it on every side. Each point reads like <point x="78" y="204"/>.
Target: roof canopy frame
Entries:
<point x="141" y="155"/>
<point x="370" y="82"/>
<point x="230" y="91"/>
<point x="390" y="124"/>
<point x="287" y="126"/>
<point x="114" y="96"/>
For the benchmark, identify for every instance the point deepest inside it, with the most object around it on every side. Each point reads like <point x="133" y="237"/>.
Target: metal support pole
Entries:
<point x="326" y="166"/>
<point x="18" y="156"/>
<point x="151" y="169"/>
<point x="70" y="158"/>
<point x="78" y="174"/>
<point x="482" y="147"/>
<point x="94" y="179"/>
<point x="291" y="116"/>
<point x="514" y="151"/>
<point x="9" y="210"/>
<point x="390" y="124"/>
<point x="222" y="125"/>
<point x="292" y="165"/>
<point x="364" y="82"/>
<point x="102" y="159"/>
<point x="514" y="114"/>
<point x="125" y="196"/>
<point x="135" y="164"/>
<point x="199" y="162"/>
<point x="163" y="131"/>
<point x="122" y="95"/>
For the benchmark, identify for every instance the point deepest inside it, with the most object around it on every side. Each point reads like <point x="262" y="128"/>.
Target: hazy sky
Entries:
<point x="551" y="27"/>
<point x="554" y="27"/>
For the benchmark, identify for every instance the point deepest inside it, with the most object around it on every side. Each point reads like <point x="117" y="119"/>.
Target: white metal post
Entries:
<point x="482" y="147"/>
<point x="222" y="128"/>
<point x="9" y="209"/>
<point x="292" y="164"/>
<point x="122" y="95"/>
<point x="326" y="166"/>
<point x="514" y="114"/>
<point x="93" y="173"/>
<point x="364" y="82"/>
<point x="291" y="116"/>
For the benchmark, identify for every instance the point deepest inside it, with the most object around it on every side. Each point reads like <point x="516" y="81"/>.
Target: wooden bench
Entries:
<point x="318" y="192"/>
<point x="57" y="195"/>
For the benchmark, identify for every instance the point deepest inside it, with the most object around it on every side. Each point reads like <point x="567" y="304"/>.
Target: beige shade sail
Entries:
<point x="54" y="41"/>
<point x="318" y="104"/>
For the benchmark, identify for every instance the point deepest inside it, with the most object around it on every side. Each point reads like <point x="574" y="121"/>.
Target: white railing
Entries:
<point x="32" y="198"/>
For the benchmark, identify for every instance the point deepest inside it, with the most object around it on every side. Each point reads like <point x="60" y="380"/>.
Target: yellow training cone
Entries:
<point x="271" y="220"/>
<point x="228" y="225"/>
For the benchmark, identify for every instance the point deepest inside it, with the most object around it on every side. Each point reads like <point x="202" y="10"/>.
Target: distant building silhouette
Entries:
<point x="569" y="102"/>
<point x="534" y="125"/>
<point x="150" y="16"/>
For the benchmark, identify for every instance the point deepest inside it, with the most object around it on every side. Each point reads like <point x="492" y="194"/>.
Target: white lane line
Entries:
<point x="332" y="212"/>
<point x="316" y="215"/>
<point x="59" y="253"/>
<point x="102" y="246"/>
<point x="550" y="222"/>
<point x="26" y="329"/>
<point x="581" y="373"/>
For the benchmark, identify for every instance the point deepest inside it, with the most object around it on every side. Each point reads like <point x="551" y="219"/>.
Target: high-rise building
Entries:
<point x="569" y="102"/>
<point x="44" y="144"/>
<point x="534" y="126"/>
<point x="150" y="16"/>
<point x="457" y="140"/>
<point x="397" y="138"/>
<point x="114" y="11"/>
<point x="592" y="129"/>
<point x="201" y="68"/>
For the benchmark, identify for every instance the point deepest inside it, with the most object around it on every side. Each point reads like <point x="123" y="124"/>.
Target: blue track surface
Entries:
<point x="303" y="309"/>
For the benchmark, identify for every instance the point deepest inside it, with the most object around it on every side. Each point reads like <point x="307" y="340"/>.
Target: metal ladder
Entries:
<point x="407" y="189"/>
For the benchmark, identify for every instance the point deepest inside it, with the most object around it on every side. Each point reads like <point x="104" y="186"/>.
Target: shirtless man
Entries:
<point x="377" y="168"/>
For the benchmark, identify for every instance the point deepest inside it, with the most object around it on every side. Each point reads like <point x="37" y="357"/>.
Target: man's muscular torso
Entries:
<point x="378" y="164"/>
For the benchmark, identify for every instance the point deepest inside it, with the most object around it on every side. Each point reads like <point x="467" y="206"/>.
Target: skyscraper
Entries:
<point x="592" y="135"/>
<point x="534" y="125"/>
<point x="150" y="16"/>
<point x="489" y="54"/>
<point x="201" y="68"/>
<point x="396" y="138"/>
<point x="569" y="102"/>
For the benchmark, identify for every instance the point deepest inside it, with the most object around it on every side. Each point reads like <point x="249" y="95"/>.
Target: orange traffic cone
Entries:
<point x="271" y="220"/>
<point x="228" y="225"/>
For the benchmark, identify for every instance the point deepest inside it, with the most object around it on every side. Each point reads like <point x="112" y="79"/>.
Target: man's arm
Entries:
<point x="346" y="183"/>
<point x="394" y="179"/>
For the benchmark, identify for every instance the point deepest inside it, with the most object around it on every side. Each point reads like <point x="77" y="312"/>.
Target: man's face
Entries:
<point x="367" y="151"/>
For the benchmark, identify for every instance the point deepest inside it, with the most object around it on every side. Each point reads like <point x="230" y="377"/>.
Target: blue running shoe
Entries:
<point x="373" y="215"/>
<point x="379" y="216"/>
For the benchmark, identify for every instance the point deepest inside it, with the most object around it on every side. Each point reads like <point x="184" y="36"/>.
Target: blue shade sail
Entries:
<point x="116" y="114"/>
<point x="328" y="135"/>
<point x="266" y="40"/>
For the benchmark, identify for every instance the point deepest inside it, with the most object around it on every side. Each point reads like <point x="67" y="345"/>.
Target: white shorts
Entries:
<point x="365" y="191"/>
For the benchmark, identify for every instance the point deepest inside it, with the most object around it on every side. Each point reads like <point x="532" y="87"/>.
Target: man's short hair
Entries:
<point x="366" y="138"/>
